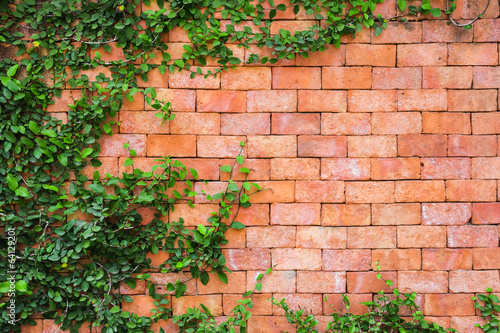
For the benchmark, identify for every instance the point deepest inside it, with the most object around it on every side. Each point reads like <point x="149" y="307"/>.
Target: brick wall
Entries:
<point x="385" y="149"/>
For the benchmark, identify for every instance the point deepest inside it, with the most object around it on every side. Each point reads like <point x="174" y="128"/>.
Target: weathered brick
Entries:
<point x="195" y="123"/>
<point x="428" y="282"/>
<point x="463" y="54"/>
<point x="446" y="213"/>
<point x="331" y="56"/>
<point x="271" y="236"/>
<point x="399" y="33"/>
<point x="322" y="146"/>
<point x="472" y="100"/>
<point x="470" y="190"/>
<point x="472" y="145"/>
<point x="469" y="11"/>
<point x="212" y="302"/>
<point x="446" y="123"/>
<point x="367" y="282"/>
<point x="245" y="124"/>
<point x="257" y="214"/>
<point x="397" y="78"/>
<point x="296" y="78"/>
<point x="322" y="101"/>
<point x="486" y="167"/>
<point x="422" y="145"/>
<point x="259" y="170"/>
<point x="397" y="123"/>
<point x="486" y="123"/>
<point x="345" y="123"/>
<point x="370" y="55"/>
<point x="296" y="123"/>
<point x="314" y="237"/>
<point x="312" y="303"/>
<point x="467" y="324"/>
<point x="109" y="165"/>
<point x="346" y="78"/>
<point x="250" y="78"/>
<point x="258" y="324"/>
<point x="487" y="31"/>
<point x="372" y="100"/>
<point x="486" y="77"/>
<point x="423" y="100"/>
<point x="321" y="282"/>
<point x="220" y="101"/>
<point x="421" y="236"/>
<point x="142" y="122"/>
<point x="141" y="305"/>
<point x="446" y="259"/>
<point x="372" y="146"/>
<point x="272" y="101"/>
<point x="236" y="284"/>
<point x="345" y="168"/>
<point x="183" y="80"/>
<point x="276" y="191"/>
<point x="297" y="259"/>
<point x="449" y="305"/>
<point x="420" y="191"/>
<point x="371" y="237"/>
<point x="395" y="168"/>
<point x="335" y="303"/>
<point x="438" y="31"/>
<point x="422" y="55"/>
<point x="62" y="103"/>
<point x="219" y="146"/>
<point x="193" y="215"/>
<point x="272" y="146"/>
<point x="486" y="258"/>
<point x="347" y="260"/>
<point x="296" y="214"/>
<point x="345" y="215"/>
<point x="473" y="236"/>
<point x="486" y="213"/>
<point x="247" y="259"/>
<point x="319" y="191"/>
<point x="181" y="99"/>
<point x="275" y="282"/>
<point x="291" y="26"/>
<point x="447" y="77"/>
<point x="396" y="214"/>
<point x="261" y="304"/>
<point x="474" y="281"/>
<point x="396" y="259"/>
<point x="446" y="168"/>
<point x="262" y="52"/>
<point x="295" y="168"/>
<point x="112" y="146"/>
<point x="369" y="192"/>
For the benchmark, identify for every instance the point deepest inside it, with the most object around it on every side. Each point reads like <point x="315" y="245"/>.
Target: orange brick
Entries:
<point x="369" y="192"/>
<point x="295" y="168"/>
<point x="195" y="123"/>
<point x="247" y="259"/>
<point x="319" y="191"/>
<point x="236" y="284"/>
<point x="486" y="123"/>
<point x="474" y="281"/>
<point x="396" y="214"/>
<point x="322" y="146"/>
<point x="208" y="188"/>
<point x="422" y="145"/>
<point x="116" y="53"/>
<point x="346" y="78"/>
<point x="397" y="123"/>
<point x="301" y="123"/>
<point x="345" y="123"/>
<point x="486" y="77"/>
<point x="297" y="259"/>
<point x="345" y="168"/>
<point x="259" y="169"/>
<point x="212" y="302"/>
<point x="438" y="31"/>
<point x="261" y="304"/>
<point x="37" y="328"/>
<point x="397" y="78"/>
<point x="335" y="303"/>
<point x="112" y="146"/>
<point x="447" y="77"/>
<point x="470" y="11"/>
<point x="367" y="282"/>
<point x="347" y="260"/>
<point x="321" y="237"/>
<point x="446" y="213"/>
<point x="272" y="101"/>
<point x="193" y="215"/>
<point x="181" y="100"/>
<point x="422" y="55"/>
<point x="470" y="190"/>
<point x="263" y="52"/>
<point x="396" y="259"/>
<point x="446" y="123"/>
<point x="109" y="165"/>
<point x="140" y="305"/>
<point x="487" y="31"/>
<point x="370" y="55"/>
<point x="486" y="258"/>
<point x="467" y="324"/>
<point x="428" y="282"/>
<point x="423" y="100"/>
<point x="183" y="80"/>
<point x="275" y="191"/>
<point x="371" y="237"/>
<point x="446" y="259"/>
<point x="345" y="215"/>
<point x="372" y="146"/>
<point x="372" y="100"/>
<point x="155" y="79"/>
<point x="399" y="33"/>
<point x="257" y="214"/>
<point x="142" y="122"/>
<point x="420" y="191"/>
<point x="171" y="145"/>
<point x="421" y="236"/>
<point x="322" y="101"/>
<point x="473" y="236"/>
<point x="472" y="100"/>
<point x="241" y="78"/>
<point x="292" y="26"/>
<point x="395" y="168"/>
<point x="162" y="279"/>
<point x="271" y="236"/>
<point x="219" y="146"/>
<point x="272" y="146"/>
<point x="276" y="282"/>
<point x="486" y="213"/>
<point x="258" y="324"/>
<point x="67" y="98"/>
<point x="472" y="145"/>
<point x="220" y="101"/>
<point x="446" y="168"/>
<point x="449" y="305"/>
<point x="472" y="54"/>
<point x="331" y="56"/>
<point x="50" y="327"/>
<point x="296" y="78"/>
<point x="321" y="282"/>
<point x="312" y="303"/>
<point x="295" y="214"/>
<point x="245" y="124"/>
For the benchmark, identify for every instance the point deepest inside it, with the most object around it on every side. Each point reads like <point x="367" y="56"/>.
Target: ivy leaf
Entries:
<point x="12" y="70"/>
<point x="12" y="182"/>
<point x="225" y="168"/>
<point x="49" y="62"/>
<point x="115" y="309"/>
<point x="402" y="4"/>
<point x="436" y="12"/>
<point x="281" y="7"/>
<point x="222" y="276"/>
<point x="23" y="192"/>
<point x="234" y="61"/>
<point x="50" y="133"/>
<point x="180" y="290"/>
<point x="237" y="225"/>
<point x="34" y="127"/>
<point x="204" y="278"/>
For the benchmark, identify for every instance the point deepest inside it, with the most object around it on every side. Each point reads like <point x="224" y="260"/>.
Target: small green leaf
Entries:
<point x="12" y="70"/>
<point x="237" y="225"/>
<point x="23" y="192"/>
<point x="115" y="309"/>
<point x="12" y="182"/>
<point x="222" y="276"/>
<point x="225" y="168"/>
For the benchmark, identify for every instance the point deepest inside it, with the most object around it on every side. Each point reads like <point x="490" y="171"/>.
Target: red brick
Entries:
<point x="345" y="215"/>
<point x="473" y="236"/>
<point x="399" y="33"/>
<point x="195" y="123"/>
<point x="295" y="214"/>
<point x="140" y="305"/>
<point x="322" y="101"/>
<point x="183" y="80"/>
<point x="347" y="78"/>
<point x="474" y="281"/>
<point x="272" y="146"/>
<point x="261" y="324"/>
<point x="173" y="145"/>
<point x="297" y="259"/>
<point x="295" y="168"/>
<point x="446" y="213"/>
<point x="109" y="165"/>
<point x="207" y="188"/>
<point x="372" y="146"/>
<point x="321" y="282"/>
<point x="311" y="303"/>
<point x="155" y="79"/>
<point x="487" y="31"/>
<point x="219" y="146"/>
<point x="397" y="123"/>
<point x="292" y="26"/>
<point x="242" y="78"/>
<point x="367" y="282"/>
<point x="486" y="258"/>
<point x="212" y="302"/>
<point x="257" y="214"/>
<point x="486" y="213"/>
<point x="112" y="146"/>
<point x="397" y="78"/>
<point x="345" y="168"/>
<point x="290" y="123"/>
<point x="271" y="236"/>
<point x="422" y="55"/>
<point x="157" y="259"/>
<point x="142" y="122"/>
<point x="397" y="259"/>
<point x="446" y="168"/>
<point x="396" y="214"/>
<point x="371" y="237"/>
<point x="272" y="101"/>
<point x="423" y="100"/>
<point x="446" y="123"/>
<point x="245" y="259"/>
<point x="335" y="303"/>
<point x="438" y="31"/>
<point x="421" y="236"/>
<point x="345" y="123"/>
<point x="245" y="124"/>
<point x="420" y="191"/>
<point x="276" y="191"/>
<point x="236" y="284"/>
<point x="472" y="145"/>
<point x="322" y="146"/>
<point x="372" y="100"/>
<point x="486" y="77"/>
<point x="319" y="191"/>
<point x="263" y="52"/>
<point x="422" y="145"/>
<point x="428" y="282"/>
<point x="259" y="169"/>
<point x="296" y="78"/>
<point x="467" y="324"/>
<point x="181" y="100"/>
<point x="370" y="55"/>
<point x="471" y="190"/>
<point x="331" y="56"/>
<point x="37" y="328"/>
<point x="486" y="167"/>
<point x="162" y="279"/>
<point x="446" y="259"/>
<point x="220" y="101"/>
<point x="347" y="260"/>
<point x="395" y="168"/>
<point x="472" y="100"/>
<point x="470" y="11"/>
<point x="67" y="98"/>
<point x="449" y="305"/>
<point x="276" y="282"/>
<point x="472" y="54"/>
<point x="261" y="304"/>
<point x="193" y="215"/>
<point x="486" y="123"/>
<point x="369" y="192"/>
<point x="447" y="77"/>
<point x="321" y="237"/>
<point x="50" y="327"/>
